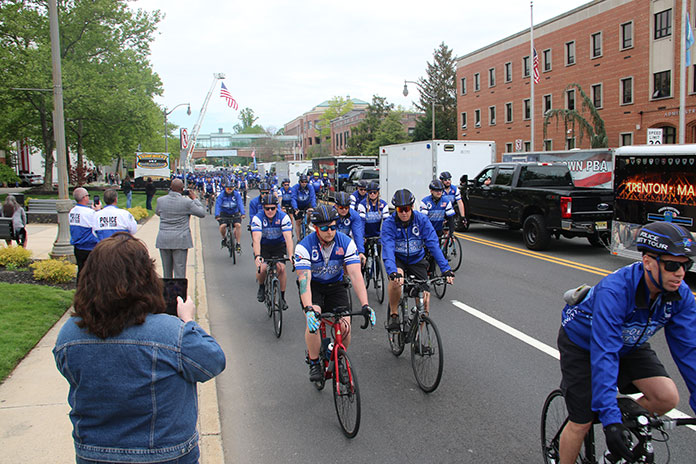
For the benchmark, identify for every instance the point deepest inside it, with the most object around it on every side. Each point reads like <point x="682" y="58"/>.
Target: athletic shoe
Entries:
<point x="238" y="248"/>
<point x="315" y="373"/>
<point x="393" y="325"/>
<point x="283" y="304"/>
<point x="261" y="294"/>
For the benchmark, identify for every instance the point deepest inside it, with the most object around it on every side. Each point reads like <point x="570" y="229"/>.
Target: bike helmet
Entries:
<point x="325" y="175"/>
<point x="437" y="185"/>
<point x="316" y="174"/>
<point x="403" y="197"/>
<point x="342" y="199"/>
<point x="268" y="199"/>
<point x="230" y="185"/>
<point x="285" y="180"/>
<point x="362" y="184"/>
<point x="373" y="186"/>
<point x="665" y="238"/>
<point x="303" y="178"/>
<point x="445" y="175"/>
<point x="323" y="215"/>
<point x="264" y="187"/>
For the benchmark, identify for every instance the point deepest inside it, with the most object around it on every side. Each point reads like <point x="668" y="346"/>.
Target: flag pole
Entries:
<point x="682" y="75"/>
<point x="531" y="68"/>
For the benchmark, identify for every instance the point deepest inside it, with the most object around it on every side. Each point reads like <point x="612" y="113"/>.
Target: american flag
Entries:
<point x="535" y="67"/>
<point x="224" y="93"/>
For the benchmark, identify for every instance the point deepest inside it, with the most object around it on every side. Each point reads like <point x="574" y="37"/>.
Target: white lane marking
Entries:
<point x="544" y="348"/>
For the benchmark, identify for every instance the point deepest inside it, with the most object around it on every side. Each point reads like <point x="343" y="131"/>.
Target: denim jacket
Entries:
<point x="133" y="396"/>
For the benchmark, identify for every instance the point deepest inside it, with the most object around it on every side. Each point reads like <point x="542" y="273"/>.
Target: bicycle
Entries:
<point x="374" y="268"/>
<point x="452" y="249"/>
<point x="337" y="366"/>
<point x="230" y="240"/>
<point x="272" y="296"/>
<point x="638" y="420"/>
<point x="211" y="202"/>
<point x="304" y="228"/>
<point x="418" y="329"/>
<point x="434" y="272"/>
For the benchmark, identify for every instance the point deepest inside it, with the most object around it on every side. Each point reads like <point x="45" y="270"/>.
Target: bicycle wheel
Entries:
<point x="346" y="395"/>
<point x="554" y="417"/>
<point x="275" y="308"/>
<point x="230" y="243"/>
<point x="367" y="271"/>
<point x="454" y="253"/>
<point x="379" y="279"/>
<point x="426" y="355"/>
<point x="440" y="288"/>
<point x="397" y="340"/>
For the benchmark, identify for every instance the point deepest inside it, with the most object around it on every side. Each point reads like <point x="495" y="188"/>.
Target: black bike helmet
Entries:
<point x="323" y="215"/>
<point x="230" y="185"/>
<point x="373" y="186"/>
<point x="665" y="238"/>
<point x="342" y="199"/>
<point x="285" y="181"/>
<point x="437" y="185"/>
<point x="445" y="175"/>
<point x="362" y="184"/>
<point x="263" y="186"/>
<point x="303" y="178"/>
<point x="403" y="197"/>
<point x="268" y="199"/>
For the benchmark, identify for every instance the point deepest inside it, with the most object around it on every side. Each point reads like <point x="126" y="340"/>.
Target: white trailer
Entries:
<point x="414" y="165"/>
<point x="291" y="170"/>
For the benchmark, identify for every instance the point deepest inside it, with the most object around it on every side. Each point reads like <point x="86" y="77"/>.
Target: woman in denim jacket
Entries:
<point x="132" y="369"/>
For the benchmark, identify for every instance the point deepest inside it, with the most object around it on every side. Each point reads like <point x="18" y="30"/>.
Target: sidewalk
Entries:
<point x="34" y="422"/>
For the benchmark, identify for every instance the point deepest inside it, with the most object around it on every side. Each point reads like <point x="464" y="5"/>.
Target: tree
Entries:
<point x="338" y="106"/>
<point x="440" y="86"/>
<point x="366" y="130"/>
<point x="247" y="126"/>
<point x="594" y="127"/>
<point x="389" y="132"/>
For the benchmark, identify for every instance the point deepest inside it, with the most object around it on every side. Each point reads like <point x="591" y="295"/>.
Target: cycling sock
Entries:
<point x="282" y="295"/>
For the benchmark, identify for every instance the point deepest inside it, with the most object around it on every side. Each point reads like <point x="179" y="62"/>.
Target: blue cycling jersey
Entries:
<point x="373" y="215"/>
<point x="229" y="204"/>
<point x="303" y="198"/>
<point x="352" y="225"/>
<point x="356" y="199"/>
<point x="436" y="211"/>
<point x="271" y="229"/>
<point x="286" y="196"/>
<point x="452" y="194"/>
<point x="325" y="264"/>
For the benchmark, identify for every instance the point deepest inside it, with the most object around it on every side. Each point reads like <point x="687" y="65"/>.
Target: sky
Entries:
<point x="283" y="57"/>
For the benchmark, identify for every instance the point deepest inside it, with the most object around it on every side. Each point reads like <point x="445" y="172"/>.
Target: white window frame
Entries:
<point x="550" y="143"/>
<point x="511" y="113"/>
<point x="477" y="118"/>
<point x="506" y="67"/>
<point x="621" y="37"/>
<point x="509" y="147"/>
<point x="543" y="101"/>
<point x="549" y="61"/>
<point x="621" y="83"/>
<point x="464" y="119"/>
<point x="526" y="103"/>
<point x="601" y="45"/>
<point x="492" y="115"/>
<point x="621" y="135"/>
<point x="491" y="77"/>
<point x="575" y="53"/>
<point x="601" y="94"/>
<point x="477" y="82"/>
<point x="462" y="81"/>
<point x="567" y="100"/>
<point x="527" y="144"/>
<point x="526" y="70"/>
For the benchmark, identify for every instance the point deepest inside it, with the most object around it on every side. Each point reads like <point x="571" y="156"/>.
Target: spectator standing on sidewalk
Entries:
<point x="111" y="219"/>
<point x="150" y="191"/>
<point x="127" y="188"/>
<point x="132" y="370"/>
<point x="174" y="237"/>
<point x="12" y="209"/>
<point x="82" y="220"/>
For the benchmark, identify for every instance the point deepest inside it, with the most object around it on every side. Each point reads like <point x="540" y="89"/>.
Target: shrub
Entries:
<point x="138" y="212"/>
<point x="57" y="271"/>
<point x="14" y="256"/>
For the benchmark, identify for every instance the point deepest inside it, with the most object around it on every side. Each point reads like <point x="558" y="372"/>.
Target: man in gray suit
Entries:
<point x="174" y="237"/>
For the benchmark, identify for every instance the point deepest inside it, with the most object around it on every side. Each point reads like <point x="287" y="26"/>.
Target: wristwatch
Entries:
<point x="308" y="308"/>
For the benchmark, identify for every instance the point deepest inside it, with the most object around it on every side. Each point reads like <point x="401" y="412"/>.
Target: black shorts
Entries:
<point x="273" y="250"/>
<point x="329" y="296"/>
<point x="419" y="270"/>
<point x="576" y="384"/>
<point x="234" y="219"/>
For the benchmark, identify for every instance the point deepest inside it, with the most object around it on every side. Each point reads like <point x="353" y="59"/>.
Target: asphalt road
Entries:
<point x="487" y="407"/>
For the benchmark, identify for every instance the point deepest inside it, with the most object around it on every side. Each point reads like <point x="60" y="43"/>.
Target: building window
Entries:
<point x="463" y="85"/>
<point x="527" y="146"/>
<point x="627" y="35"/>
<point x="477" y="118"/>
<point x="570" y="143"/>
<point x="570" y="53"/>
<point x="547" y="59"/>
<point x="464" y="120"/>
<point x="669" y="134"/>
<point x="548" y="145"/>
<point x="477" y="82"/>
<point x="491" y="115"/>
<point x="570" y="99"/>
<point x="508" y="112"/>
<point x="527" y="109"/>
<point x="627" y="91"/>
<point x="547" y="103"/>
<point x="625" y="138"/>
<point x="597" y="95"/>
<point x="508" y="72"/>
<point x="662" y="84"/>
<point x="525" y="66"/>
<point x="663" y="24"/>
<point x="491" y="77"/>
<point x="596" y="45"/>
<point x="508" y="147"/>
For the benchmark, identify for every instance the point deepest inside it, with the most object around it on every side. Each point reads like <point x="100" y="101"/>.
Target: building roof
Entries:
<point x="356" y="101"/>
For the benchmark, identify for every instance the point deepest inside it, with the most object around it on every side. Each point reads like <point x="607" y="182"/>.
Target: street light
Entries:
<point x="167" y="113"/>
<point x="432" y="101"/>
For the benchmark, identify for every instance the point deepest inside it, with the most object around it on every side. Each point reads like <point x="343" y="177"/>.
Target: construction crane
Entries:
<point x="197" y="126"/>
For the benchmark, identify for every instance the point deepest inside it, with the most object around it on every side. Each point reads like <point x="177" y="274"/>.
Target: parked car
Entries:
<point x="359" y="174"/>
<point x="30" y="179"/>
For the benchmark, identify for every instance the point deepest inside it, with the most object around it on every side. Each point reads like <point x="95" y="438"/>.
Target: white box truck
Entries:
<point x="291" y="170"/>
<point x="414" y="165"/>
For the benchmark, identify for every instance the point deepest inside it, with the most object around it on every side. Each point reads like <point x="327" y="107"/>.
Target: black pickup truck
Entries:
<point x="541" y="199"/>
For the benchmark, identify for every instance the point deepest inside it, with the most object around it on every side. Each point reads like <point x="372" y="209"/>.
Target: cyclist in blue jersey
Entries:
<point x="319" y="259"/>
<point x="453" y="195"/>
<point x="405" y="236"/>
<point x="229" y="207"/>
<point x="242" y="187"/>
<point x="438" y="209"/>
<point x="303" y="200"/>
<point x="271" y="236"/>
<point x="350" y="223"/>
<point x="373" y="211"/>
<point x="255" y="203"/>
<point x="603" y="339"/>
<point x="359" y="195"/>
<point x="316" y="183"/>
<point x="285" y="195"/>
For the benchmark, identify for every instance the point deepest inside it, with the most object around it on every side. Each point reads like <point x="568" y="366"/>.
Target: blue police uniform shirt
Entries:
<point x="326" y="265"/>
<point x="452" y="194"/>
<point x="286" y="196"/>
<point x="229" y="204"/>
<point x="356" y="199"/>
<point x="373" y="215"/>
<point x="436" y="211"/>
<point x="111" y="219"/>
<point x="255" y="206"/>
<point x="316" y="183"/>
<point x="271" y="229"/>
<point x="352" y="226"/>
<point x="303" y="199"/>
<point x="82" y="220"/>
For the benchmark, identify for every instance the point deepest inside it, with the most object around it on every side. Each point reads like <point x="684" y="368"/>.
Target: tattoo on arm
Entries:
<point x="303" y="279"/>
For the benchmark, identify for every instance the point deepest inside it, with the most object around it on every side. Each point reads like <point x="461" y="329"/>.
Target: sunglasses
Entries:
<point x="361" y="189"/>
<point x="269" y="208"/>
<point x="673" y="266"/>
<point x="373" y="191"/>
<point x="403" y="209"/>
<point x="327" y="227"/>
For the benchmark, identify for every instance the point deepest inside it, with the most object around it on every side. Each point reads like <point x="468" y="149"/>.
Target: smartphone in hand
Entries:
<point x="96" y="200"/>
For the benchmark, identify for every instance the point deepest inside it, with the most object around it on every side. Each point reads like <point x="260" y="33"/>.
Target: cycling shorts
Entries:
<point x="234" y="218"/>
<point x="419" y="270"/>
<point x="273" y="250"/>
<point x="329" y="296"/>
<point x="576" y="371"/>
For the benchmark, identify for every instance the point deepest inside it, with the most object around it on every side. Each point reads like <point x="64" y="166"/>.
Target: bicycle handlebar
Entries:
<point x="343" y="311"/>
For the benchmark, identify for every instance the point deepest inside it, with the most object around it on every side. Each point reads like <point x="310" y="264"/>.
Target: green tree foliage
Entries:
<point x="107" y="78"/>
<point x="338" y="106"/>
<point x="247" y="125"/>
<point x="592" y="127"/>
<point x="7" y="175"/>
<point x="389" y="132"/>
<point x="366" y="131"/>
<point x="440" y="85"/>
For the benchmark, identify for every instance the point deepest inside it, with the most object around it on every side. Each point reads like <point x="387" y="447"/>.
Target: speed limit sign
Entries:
<point x="654" y="136"/>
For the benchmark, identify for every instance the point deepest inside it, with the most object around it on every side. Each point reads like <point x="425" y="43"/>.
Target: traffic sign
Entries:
<point x="518" y="145"/>
<point x="654" y="136"/>
<point x="184" y="137"/>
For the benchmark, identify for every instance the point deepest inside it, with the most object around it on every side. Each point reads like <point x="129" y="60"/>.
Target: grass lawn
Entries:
<point x="138" y="198"/>
<point x="28" y="312"/>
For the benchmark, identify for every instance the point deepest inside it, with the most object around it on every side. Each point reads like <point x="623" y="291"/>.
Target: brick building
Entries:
<point x="342" y="127"/>
<point x="625" y="54"/>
